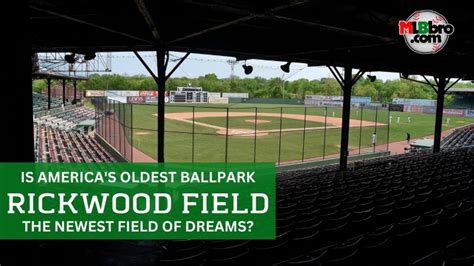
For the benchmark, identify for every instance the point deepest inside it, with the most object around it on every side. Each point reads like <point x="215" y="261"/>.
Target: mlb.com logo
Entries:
<point x="425" y="31"/>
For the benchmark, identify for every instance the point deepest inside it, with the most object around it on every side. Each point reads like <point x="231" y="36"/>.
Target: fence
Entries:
<point x="428" y="110"/>
<point x="114" y="125"/>
<point x="205" y="133"/>
<point x="267" y="101"/>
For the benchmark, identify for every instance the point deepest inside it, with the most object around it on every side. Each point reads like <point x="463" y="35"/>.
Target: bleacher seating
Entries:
<point x="410" y="209"/>
<point x="66" y="120"/>
<point x="55" y="145"/>
<point x="462" y="102"/>
<point x="459" y="138"/>
<point x="384" y="161"/>
<point x="40" y="102"/>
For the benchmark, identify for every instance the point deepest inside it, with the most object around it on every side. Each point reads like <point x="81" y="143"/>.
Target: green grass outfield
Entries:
<point x="209" y="146"/>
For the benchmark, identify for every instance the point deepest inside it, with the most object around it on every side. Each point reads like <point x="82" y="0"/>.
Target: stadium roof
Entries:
<point x="363" y="34"/>
<point x="461" y="90"/>
<point x="54" y="75"/>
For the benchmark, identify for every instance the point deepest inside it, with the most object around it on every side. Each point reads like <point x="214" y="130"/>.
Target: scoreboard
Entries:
<point x="189" y="95"/>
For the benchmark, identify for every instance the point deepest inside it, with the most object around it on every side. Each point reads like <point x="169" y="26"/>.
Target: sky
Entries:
<point x="199" y="65"/>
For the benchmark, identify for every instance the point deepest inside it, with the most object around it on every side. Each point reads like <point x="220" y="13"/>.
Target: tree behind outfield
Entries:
<point x="379" y="91"/>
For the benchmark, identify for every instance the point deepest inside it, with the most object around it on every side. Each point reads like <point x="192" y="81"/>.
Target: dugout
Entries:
<point x="421" y="144"/>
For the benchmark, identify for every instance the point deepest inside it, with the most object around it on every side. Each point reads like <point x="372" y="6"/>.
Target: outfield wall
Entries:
<point x="469" y="113"/>
<point x="414" y="102"/>
<point x="218" y="100"/>
<point x="432" y="110"/>
<point x="267" y="101"/>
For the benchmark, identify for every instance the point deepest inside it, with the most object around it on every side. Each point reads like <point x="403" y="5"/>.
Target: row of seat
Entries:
<point x="40" y="102"/>
<point x="55" y="145"/>
<point x="459" y="137"/>
<point x="402" y="210"/>
<point x="66" y="120"/>
<point x="392" y="213"/>
<point x="458" y="253"/>
<point x="355" y="165"/>
<point x="405" y="242"/>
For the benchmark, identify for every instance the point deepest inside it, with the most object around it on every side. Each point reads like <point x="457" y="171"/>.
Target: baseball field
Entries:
<point x="271" y="133"/>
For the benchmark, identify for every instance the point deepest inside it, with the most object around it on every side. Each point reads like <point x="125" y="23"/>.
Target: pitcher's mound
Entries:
<point x="259" y="121"/>
<point x="243" y="132"/>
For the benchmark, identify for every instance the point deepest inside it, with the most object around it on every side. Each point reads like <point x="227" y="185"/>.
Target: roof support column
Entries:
<point x="64" y="92"/>
<point x="75" y="91"/>
<point x="442" y="82"/>
<point x="440" y="87"/>
<point x="162" y="56"/>
<point x="49" y="93"/>
<point x="346" y="82"/>
<point x="161" y="80"/>
<point x="346" y="113"/>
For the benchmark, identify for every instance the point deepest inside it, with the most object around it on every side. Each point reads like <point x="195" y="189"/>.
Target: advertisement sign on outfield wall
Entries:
<point x="395" y="107"/>
<point x="153" y="99"/>
<point x="144" y="99"/>
<point x="148" y="93"/>
<point x="114" y="93"/>
<point x="418" y="102"/>
<point x="324" y="98"/>
<point x="93" y="93"/>
<point x="469" y="113"/>
<point x="360" y="99"/>
<point x="313" y="102"/>
<point x="135" y="99"/>
<point x="453" y="112"/>
<point x="235" y="95"/>
<point x="429" y="109"/>
<point x="417" y="109"/>
<point x="331" y="103"/>
<point x="218" y="100"/>
<point x="213" y="94"/>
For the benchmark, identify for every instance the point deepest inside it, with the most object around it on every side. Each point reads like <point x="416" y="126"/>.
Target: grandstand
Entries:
<point x="68" y="119"/>
<point x="59" y="135"/>
<point x="460" y="137"/>
<point x="40" y="102"/>
<point x="463" y="98"/>
<point x="55" y="145"/>
<point x="410" y="209"/>
<point x="415" y="206"/>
